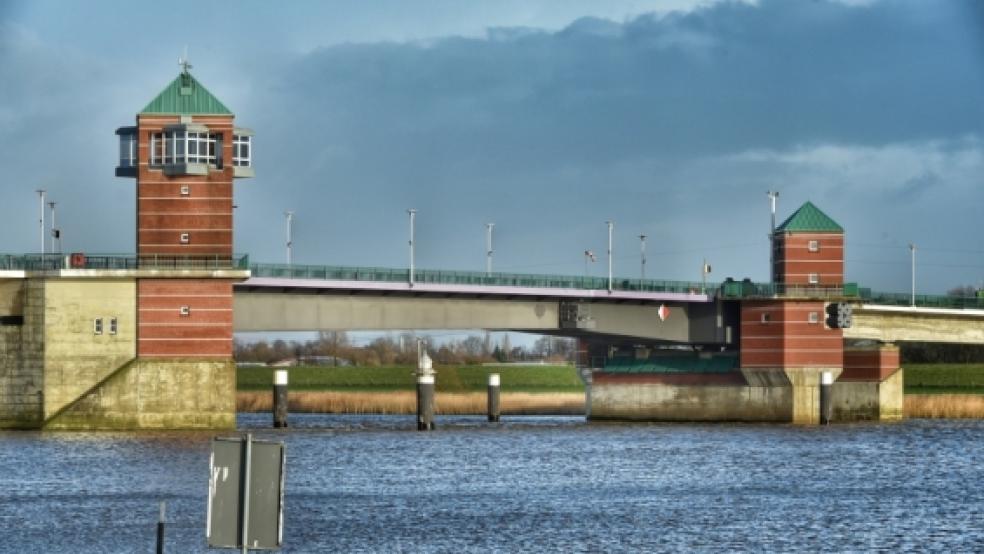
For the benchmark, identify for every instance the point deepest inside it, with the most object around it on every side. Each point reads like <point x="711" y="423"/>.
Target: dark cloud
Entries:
<point x="673" y="125"/>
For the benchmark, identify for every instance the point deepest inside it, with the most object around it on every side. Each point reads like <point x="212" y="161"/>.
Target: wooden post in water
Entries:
<point x="160" y="531"/>
<point x="280" y="398"/>
<point x="425" y="393"/>
<point x="826" y="384"/>
<point x="493" y="397"/>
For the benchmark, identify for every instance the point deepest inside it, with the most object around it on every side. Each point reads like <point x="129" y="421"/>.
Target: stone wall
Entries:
<point x="21" y="354"/>
<point x="158" y="394"/>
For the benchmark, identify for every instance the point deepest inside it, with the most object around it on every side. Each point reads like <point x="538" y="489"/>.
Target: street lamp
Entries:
<point x="611" y="228"/>
<point x="773" y="195"/>
<point x="290" y="236"/>
<point x="41" y="193"/>
<point x="55" y="233"/>
<point x="413" y="214"/>
<point x="642" y="250"/>
<point x="912" y="251"/>
<point x="488" y="249"/>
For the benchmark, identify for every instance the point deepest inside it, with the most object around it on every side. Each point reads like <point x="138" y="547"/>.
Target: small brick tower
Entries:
<point x="787" y="335"/>
<point x="185" y="152"/>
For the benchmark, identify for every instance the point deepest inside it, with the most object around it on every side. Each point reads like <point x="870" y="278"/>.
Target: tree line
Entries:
<point x="335" y="348"/>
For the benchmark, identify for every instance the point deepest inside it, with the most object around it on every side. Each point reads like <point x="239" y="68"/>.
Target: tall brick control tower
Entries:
<point x="185" y="152"/>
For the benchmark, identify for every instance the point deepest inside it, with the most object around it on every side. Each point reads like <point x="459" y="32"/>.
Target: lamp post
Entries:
<point x="290" y="236"/>
<point x="488" y="249"/>
<point x="642" y="251"/>
<point x="611" y="229"/>
<point x="54" y="229"/>
<point x="912" y="251"/>
<point x="41" y="193"/>
<point x="773" y="195"/>
<point x="413" y="214"/>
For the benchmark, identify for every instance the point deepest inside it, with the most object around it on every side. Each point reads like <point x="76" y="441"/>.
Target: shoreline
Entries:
<point x="405" y="402"/>
<point x="402" y="402"/>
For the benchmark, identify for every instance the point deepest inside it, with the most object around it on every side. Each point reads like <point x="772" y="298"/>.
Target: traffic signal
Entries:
<point x="840" y="315"/>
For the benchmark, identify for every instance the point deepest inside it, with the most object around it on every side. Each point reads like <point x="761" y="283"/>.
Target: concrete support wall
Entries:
<point x="158" y="394"/>
<point x="662" y="402"/>
<point x="918" y="325"/>
<point x="21" y="354"/>
<point x="76" y="357"/>
<point x="869" y="400"/>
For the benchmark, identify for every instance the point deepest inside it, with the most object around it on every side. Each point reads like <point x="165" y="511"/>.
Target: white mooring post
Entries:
<point x="493" y="397"/>
<point x="280" y="398"/>
<point x="425" y="392"/>
<point x="826" y="384"/>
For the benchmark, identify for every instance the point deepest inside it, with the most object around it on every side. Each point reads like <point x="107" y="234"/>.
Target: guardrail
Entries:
<point x="750" y="290"/>
<point x="388" y="275"/>
<point x="58" y="261"/>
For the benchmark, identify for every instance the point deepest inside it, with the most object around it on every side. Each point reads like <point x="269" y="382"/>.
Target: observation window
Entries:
<point x="241" y="150"/>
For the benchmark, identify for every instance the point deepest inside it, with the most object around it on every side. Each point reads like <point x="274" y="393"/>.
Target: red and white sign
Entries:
<point x="663" y="312"/>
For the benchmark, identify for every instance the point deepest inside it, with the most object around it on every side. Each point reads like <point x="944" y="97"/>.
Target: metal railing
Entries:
<point x="389" y="275"/>
<point x="750" y="290"/>
<point x="58" y="261"/>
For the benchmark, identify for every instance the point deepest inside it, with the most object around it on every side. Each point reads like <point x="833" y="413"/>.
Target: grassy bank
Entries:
<point x="405" y="402"/>
<point x="927" y="379"/>
<point x="465" y="379"/>
<point x="949" y="406"/>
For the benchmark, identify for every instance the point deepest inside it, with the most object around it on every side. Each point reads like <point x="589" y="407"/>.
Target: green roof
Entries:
<point x="186" y="96"/>
<point x="809" y="218"/>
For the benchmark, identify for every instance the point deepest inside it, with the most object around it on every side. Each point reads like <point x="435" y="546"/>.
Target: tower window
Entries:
<point x="185" y="190"/>
<point x="813" y="246"/>
<point x="97" y="326"/>
<point x="185" y="310"/>
<point x="814" y="278"/>
<point x="766" y="317"/>
<point x="113" y="326"/>
<point x="241" y="146"/>
<point x="185" y="238"/>
<point x="128" y="150"/>
<point x="813" y="317"/>
<point x="186" y="147"/>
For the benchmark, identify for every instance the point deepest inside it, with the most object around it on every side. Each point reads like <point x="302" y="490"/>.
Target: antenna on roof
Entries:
<point x="183" y="61"/>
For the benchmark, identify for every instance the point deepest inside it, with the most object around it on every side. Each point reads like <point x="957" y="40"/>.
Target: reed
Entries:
<point x="946" y="406"/>
<point x="405" y="402"/>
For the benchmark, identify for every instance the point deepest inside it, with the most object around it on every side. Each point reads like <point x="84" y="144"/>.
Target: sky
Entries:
<point x="548" y="118"/>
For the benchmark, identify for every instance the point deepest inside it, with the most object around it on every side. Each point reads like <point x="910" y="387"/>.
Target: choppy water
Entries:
<point x="527" y="485"/>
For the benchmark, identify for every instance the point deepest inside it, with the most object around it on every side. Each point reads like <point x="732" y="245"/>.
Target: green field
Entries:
<point x="449" y="379"/>
<point x="944" y="378"/>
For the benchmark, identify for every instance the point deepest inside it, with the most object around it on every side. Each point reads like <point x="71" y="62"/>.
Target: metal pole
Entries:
<point x="493" y="404"/>
<point x="51" y="205"/>
<point x="280" y="398"/>
<point x="413" y="214"/>
<point x="642" y="247"/>
<point x="41" y="194"/>
<point x="773" y="195"/>
<point x="826" y="385"/>
<point x="290" y="236"/>
<point x="912" y="250"/>
<point x="160" y="531"/>
<point x="611" y="227"/>
<point x="488" y="249"/>
<point x="247" y="469"/>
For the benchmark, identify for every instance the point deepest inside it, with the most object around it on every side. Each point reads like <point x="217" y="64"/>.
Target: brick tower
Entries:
<point x="787" y="335"/>
<point x="184" y="152"/>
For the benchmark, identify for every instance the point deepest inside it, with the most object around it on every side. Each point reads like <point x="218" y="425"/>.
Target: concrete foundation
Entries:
<point x="777" y="396"/>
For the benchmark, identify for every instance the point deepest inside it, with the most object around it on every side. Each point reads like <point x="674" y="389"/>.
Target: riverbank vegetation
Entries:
<point x="405" y="402"/>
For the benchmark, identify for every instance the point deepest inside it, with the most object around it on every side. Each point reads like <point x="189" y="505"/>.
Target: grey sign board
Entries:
<point x="246" y="485"/>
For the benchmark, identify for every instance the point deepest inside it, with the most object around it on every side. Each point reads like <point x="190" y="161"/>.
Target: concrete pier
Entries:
<point x="493" y="408"/>
<point x="280" y="398"/>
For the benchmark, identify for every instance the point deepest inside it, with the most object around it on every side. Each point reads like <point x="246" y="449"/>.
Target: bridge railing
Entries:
<point x="58" y="261"/>
<point x="922" y="300"/>
<point x="389" y="275"/>
<point x="849" y="291"/>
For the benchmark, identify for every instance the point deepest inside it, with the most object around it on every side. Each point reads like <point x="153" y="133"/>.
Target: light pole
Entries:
<point x="41" y="194"/>
<point x="290" y="236"/>
<point x="912" y="251"/>
<point x="611" y="229"/>
<point x="413" y="214"/>
<point x="773" y="195"/>
<point x="55" y="235"/>
<point x="642" y="250"/>
<point x="488" y="249"/>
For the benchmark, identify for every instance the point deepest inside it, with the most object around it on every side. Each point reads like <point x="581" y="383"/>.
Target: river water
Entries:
<point x="529" y="484"/>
